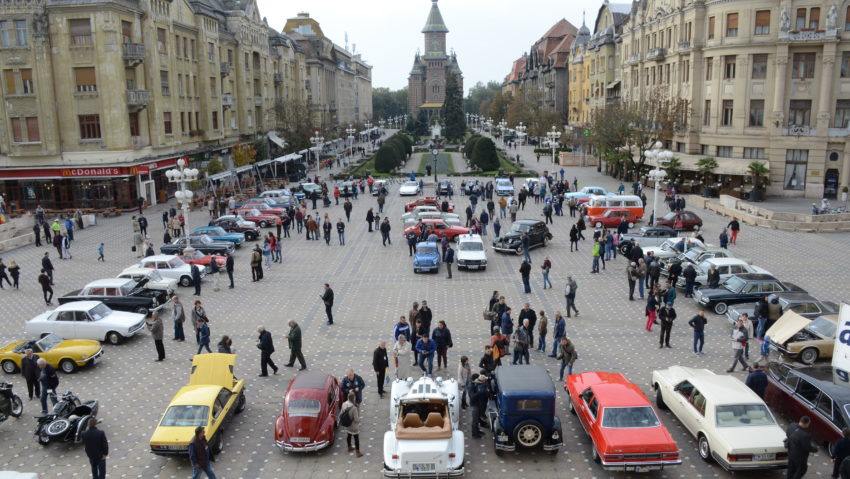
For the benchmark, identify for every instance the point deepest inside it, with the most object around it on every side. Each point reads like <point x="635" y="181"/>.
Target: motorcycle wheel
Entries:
<point x="17" y="406"/>
<point x="57" y="428"/>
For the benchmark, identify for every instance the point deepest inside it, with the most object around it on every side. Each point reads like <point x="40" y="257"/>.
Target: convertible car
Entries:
<point x="310" y="410"/>
<point x="64" y="354"/>
<point x="211" y="399"/>
<point x="626" y="432"/>
<point x="119" y="293"/>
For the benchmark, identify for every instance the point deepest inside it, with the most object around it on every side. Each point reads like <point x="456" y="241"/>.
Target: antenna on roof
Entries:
<point x="346" y="40"/>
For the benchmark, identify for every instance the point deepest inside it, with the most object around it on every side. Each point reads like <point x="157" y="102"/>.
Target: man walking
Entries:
<point x="48" y="381"/>
<point x="179" y="316"/>
<point x="200" y="455"/>
<point x="735" y="227"/>
<point x="46" y="290"/>
<point x="380" y="364"/>
<point x="739" y="338"/>
<point x="196" y="279"/>
<point x="256" y="264"/>
<point x="30" y="372"/>
<point x="525" y="272"/>
<point x="560" y="330"/>
<point x="328" y="299"/>
<point x="449" y="258"/>
<point x="570" y="293"/>
<point x="228" y="267"/>
<point x="155" y="326"/>
<point x="411" y="242"/>
<point x="340" y="230"/>
<point x="47" y="266"/>
<point x="520" y="341"/>
<point x="799" y="443"/>
<point x="294" y="338"/>
<point x="698" y="322"/>
<point x="385" y="231"/>
<point x="266" y="347"/>
<point x="97" y="448"/>
<point x="666" y="315"/>
<point x="425" y="348"/>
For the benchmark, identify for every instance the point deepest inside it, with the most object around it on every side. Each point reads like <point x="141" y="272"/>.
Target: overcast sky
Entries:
<point x="487" y="35"/>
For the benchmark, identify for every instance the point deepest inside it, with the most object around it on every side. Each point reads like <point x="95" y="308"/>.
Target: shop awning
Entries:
<point x="287" y="158"/>
<point x="220" y="176"/>
<point x="725" y="166"/>
<point x="613" y="84"/>
<point x="262" y="163"/>
<point x="276" y="139"/>
<point x="242" y="169"/>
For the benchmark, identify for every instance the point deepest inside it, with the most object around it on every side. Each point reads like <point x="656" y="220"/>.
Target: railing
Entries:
<point x="278" y="77"/>
<point x="684" y="46"/>
<point x="807" y="36"/>
<point x="138" y="98"/>
<point x="227" y="100"/>
<point x="139" y="142"/>
<point x="798" y="130"/>
<point x="657" y="54"/>
<point x="134" y="52"/>
<point x="633" y="59"/>
<point x="225" y="69"/>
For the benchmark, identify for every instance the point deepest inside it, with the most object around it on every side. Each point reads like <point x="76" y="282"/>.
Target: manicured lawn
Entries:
<point x="444" y="163"/>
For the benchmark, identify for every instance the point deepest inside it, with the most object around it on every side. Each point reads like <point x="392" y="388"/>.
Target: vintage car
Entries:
<point x="726" y="267"/>
<point x="218" y="233"/>
<point x="612" y="218"/>
<point x="426" y="258"/>
<point x="280" y="198"/>
<point x="803" y="339"/>
<point x="201" y="259"/>
<point x="648" y="236"/>
<point x="584" y="194"/>
<point x="449" y="218"/>
<point x="427" y="201"/>
<point x="470" y="252"/>
<point x="626" y="432"/>
<point x="473" y="187"/>
<point x="202" y="243"/>
<point x="522" y="413"/>
<point x="696" y="256"/>
<point x="253" y="214"/>
<point x="236" y="224"/>
<point x="152" y="279"/>
<point x="445" y="188"/>
<point x="120" y="294"/>
<point x="346" y="188"/>
<point x="732" y="424"/>
<point x="310" y="413"/>
<point x="169" y="266"/>
<point x="511" y="242"/>
<point x="419" y="210"/>
<point x="503" y="187"/>
<point x="409" y="188"/>
<point x="307" y="190"/>
<point x="438" y="227"/>
<point x="64" y="354"/>
<point x="741" y="288"/>
<point x="424" y="439"/>
<point x="680" y="220"/>
<point x="265" y="208"/>
<point x="814" y="391"/>
<point x="86" y="320"/>
<point x="670" y="248"/>
<point x="803" y="304"/>
<point x="379" y="185"/>
<point x="211" y="399"/>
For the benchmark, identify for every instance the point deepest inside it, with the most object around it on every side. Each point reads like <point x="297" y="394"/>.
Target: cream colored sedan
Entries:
<point x="803" y="339"/>
<point x="733" y="426"/>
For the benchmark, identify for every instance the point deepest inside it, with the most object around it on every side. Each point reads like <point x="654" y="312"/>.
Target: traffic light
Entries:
<point x="586" y="132"/>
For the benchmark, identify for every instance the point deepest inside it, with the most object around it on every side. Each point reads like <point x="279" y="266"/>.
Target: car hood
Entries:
<point x="511" y="236"/>
<point x="735" y="311"/>
<point x="753" y="439"/>
<point x="122" y="318"/>
<point x="715" y="292"/>
<point x="471" y="255"/>
<point x="173" y="435"/>
<point x="10" y="347"/>
<point x="659" y="252"/>
<point x="786" y="327"/>
<point x="425" y="258"/>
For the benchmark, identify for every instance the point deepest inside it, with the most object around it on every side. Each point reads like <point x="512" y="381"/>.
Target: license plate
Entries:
<point x="764" y="457"/>
<point x="474" y="266"/>
<point x="300" y="439"/>
<point x="424" y="467"/>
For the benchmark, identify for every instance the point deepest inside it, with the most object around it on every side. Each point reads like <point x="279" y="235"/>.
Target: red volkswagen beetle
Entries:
<point x="438" y="227"/>
<point x="626" y="432"/>
<point x="427" y="201"/>
<point x="612" y="218"/>
<point x="309" y="416"/>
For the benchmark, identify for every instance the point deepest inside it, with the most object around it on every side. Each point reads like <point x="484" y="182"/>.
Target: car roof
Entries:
<point x="756" y="276"/>
<point x="202" y="395"/>
<point x="823" y="377"/>
<point x="310" y="380"/>
<point x="469" y="239"/>
<point x="796" y="296"/>
<point x="430" y="244"/>
<point x="524" y="378"/>
<point x="77" y="306"/>
<point x="656" y="228"/>
<point x="527" y="222"/>
<point x="109" y="283"/>
<point x="718" y="388"/>
<point x="159" y="257"/>
<point x="724" y="261"/>
<point x="612" y="389"/>
<point x="432" y="220"/>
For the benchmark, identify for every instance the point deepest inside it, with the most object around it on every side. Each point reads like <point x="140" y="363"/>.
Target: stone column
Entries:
<point x="825" y="97"/>
<point x="781" y="76"/>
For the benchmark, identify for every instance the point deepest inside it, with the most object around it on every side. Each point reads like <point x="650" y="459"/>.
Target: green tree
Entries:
<point x="469" y="147"/>
<point x="497" y="107"/>
<point x="385" y="159"/>
<point x="484" y="155"/>
<point x="479" y="94"/>
<point x="388" y="103"/>
<point x="294" y="123"/>
<point x="453" y="116"/>
<point x="214" y="166"/>
<point x="261" y="147"/>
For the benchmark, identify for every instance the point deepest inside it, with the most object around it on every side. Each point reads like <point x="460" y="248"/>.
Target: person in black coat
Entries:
<point x="196" y="279"/>
<point x="840" y="452"/>
<point x="328" y="299"/>
<point x="97" y="448"/>
<point x="228" y="267"/>
<point x="380" y="363"/>
<point x="266" y="347"/>
<point x="370" y="218"/>
<point x="757" y="380"/>
<point x="30" y="372"/>
<point x="690" y="275"/>
<point x="478" y="401"/>
<point x="799" y="444"/>
<point x="49" y="381"/>
<point x="47" y="266"/>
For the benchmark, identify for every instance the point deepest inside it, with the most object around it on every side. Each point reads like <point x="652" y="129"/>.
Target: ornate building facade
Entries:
<point x="427" y="81"/>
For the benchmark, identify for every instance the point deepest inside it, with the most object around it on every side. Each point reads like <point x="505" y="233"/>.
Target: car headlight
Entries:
<point x="555" y="435"/>
<point x="434" y="261"/>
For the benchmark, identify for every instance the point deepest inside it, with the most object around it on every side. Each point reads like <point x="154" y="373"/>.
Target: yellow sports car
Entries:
<point x="64" y="354"/>
<point x="211" y="399"/>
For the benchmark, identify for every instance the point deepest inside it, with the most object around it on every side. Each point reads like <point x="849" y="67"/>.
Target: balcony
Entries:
<point x="138" y="99"/>
<point x="227" y="101"/>
<point x="684" y="46"/>
<point x="225" y="68"/>
<point x="278" y="78"/>
<point x="134" y="53"/>
<point x="656" y="54"/>
<point x="633" y="59"/>
<point x="799" y="130"/>
<point x="139" y="142"/>
<point x="612" y="100"/>
<point x="258" y="101"/>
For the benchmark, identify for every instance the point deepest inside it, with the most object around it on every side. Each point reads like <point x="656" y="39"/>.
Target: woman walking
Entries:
<point x="198" y="314"/>
<point x="352" y="429"/>
<point x="203" y="336"/>
<point x="443" y="339"/>
<point x="401" y="356"/>
<point x="546" y="267"/>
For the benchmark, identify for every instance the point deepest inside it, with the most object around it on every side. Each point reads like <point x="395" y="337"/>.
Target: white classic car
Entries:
<point x="154" y="279"/>
<point x="503" y="187"/>
<point x="727" y="267"/>
<point x="169" y="266"/>
<point x="86" y="320"/>
<point x="470" y="252"/>
<point x="731" y="423"/>
<point x="421" y="209"/>
<point x="409" y="188"/>
<point x="448" y="218"/>
<point x="668" y="249"/>
<point x="424" y="439"/>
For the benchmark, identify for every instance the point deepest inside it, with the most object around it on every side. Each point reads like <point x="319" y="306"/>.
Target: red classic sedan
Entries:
<point x="201" y="259"/>
<point x="626" y="432"/>
<point x="612" y="218"/>
<point x="681" y="220"/>
<point x="438" y="227"/>
<point x="427" y="201"/>
<point x="310" y="409"/>
<point x="253" y="214"/>
<point x="264" y="208"/>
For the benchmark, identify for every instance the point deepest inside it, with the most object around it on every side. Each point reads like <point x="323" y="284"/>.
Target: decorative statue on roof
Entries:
<point x="831" y="17"/>
<point x="784" y="20"/>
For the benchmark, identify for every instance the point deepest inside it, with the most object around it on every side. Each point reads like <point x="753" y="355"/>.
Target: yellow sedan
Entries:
<point x="211" y="399"/>
<point x="64" y="354"/>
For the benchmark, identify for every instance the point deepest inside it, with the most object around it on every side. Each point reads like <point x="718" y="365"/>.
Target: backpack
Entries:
<point x="345" y="418"/>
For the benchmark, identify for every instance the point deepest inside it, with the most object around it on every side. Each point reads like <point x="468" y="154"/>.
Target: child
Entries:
<point x="100" y="253"/>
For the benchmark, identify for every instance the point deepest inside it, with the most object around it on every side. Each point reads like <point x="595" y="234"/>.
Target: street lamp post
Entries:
<point x="180" y="176"/>
<point x="435" y="152"/>
<point x="553" y="136"/>
<point x="350" y="132"/>
<point x="368" y="126"/>
<point x="317" y="140"/>
<point x="520" y="132"/>
<point x="657" y="155"/>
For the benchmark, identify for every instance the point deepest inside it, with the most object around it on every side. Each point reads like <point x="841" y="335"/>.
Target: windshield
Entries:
<point x="411" y="183"/>
<point x="154" y="276"/>
<point x="626" y="417"/>
<point x="743" y="415"/>
<point x="175" y="263"/>
<point x="503" y="183"/>
<point x="49" y="342"/>
<point x="126" y="288"/>
<point x="822" y="327"/>
<point x="520" y="228"/>
<point x="471" y="246"/>
<point x="733" y="283"/>
<point x="99" y="312"/>
<point x="426" y="250"/>
<point x="303" y="407"/>
<point x="692" y="254"/>
<point x="186" y="416"/>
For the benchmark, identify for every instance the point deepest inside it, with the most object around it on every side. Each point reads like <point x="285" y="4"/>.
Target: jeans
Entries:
<point x="204" y="344"/>
<point x="595" y="268"/>
<point x="640" y="286"/>
<point x="608" y="248"/>
<point x="430" y="359"/>
<point x="98" y="468"/>
<point x="699" y="339"/>
<point x="526" y="254"/>
<point x="555" y="346"/>
<point x="502" y="213"/>
<point x="519" y="354"/>
<point x="329" y="314"/>
<point x="760" y="328"/>
<point x="341" y="239"/>
<point x="526" y="284"/>
<point x="385" y="237"/>
<point x="44" y="393"/>
<point x="541" y="343"/>
<point x="689" y="289"/>
<point x="178" y="331"/>
<point x="196" y="471"/>
<point x="546" y="280"/>
<point x="568" y="367"/>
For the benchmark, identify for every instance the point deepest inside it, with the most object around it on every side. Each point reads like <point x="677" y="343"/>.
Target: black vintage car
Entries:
<point x="803" y="304"/>
<point x="202" y="243"/>
<point x="231" y="225"/>
<point x="121" y="294"/>
<point x="741" y="288"/>
<point x="538" y="235"/>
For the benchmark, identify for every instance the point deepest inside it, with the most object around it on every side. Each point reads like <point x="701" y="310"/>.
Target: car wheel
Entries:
<point x="595" y="455"/>
<point x="545" y="241"/>
<point x="659" y="400"/>
<point x="9" y="367"/>
<point x="720" y="308"/>
<point x="704" y="448"/>
<point x="57" y="427"/>
<point x="528" y="434"/>
<point x="598" y="224"/>
<point x="809" y="355"/>
<point x="631" y="225"/>
<point x="67" y="366"/>
<point x="216" y="445"/>
<point x="263" y="224"/>
<point x="141" y="310"/>
<point x="697" y="227"/>
<point x="113" y="338"/>
<point x="17" y="406"/>
<point x="185" y="281"/>
<point x="240" y="404"/>
<point x="518" y="251"/>
<point x="623" y="249"/>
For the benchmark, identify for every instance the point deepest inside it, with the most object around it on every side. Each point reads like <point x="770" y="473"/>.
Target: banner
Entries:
<point x="841" y="354"/>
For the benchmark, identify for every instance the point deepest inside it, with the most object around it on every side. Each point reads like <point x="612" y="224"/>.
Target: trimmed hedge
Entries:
<point x="484" y="155"/>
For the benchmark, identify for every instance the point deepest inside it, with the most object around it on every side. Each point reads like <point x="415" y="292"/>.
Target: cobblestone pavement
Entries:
<point x="374" y="285"/>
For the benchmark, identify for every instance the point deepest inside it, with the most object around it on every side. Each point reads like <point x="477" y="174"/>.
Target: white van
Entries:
<point x="598" y="204"/>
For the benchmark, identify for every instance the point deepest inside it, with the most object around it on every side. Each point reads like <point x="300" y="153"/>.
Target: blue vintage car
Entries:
<point x="217" y="233"/>
<point x="522" y="412"/>
<point x="426" y="257"/>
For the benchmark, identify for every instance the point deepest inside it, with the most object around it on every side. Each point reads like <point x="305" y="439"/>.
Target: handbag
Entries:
<point x="489" y="315"/>
<point x="133" y="248"/>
